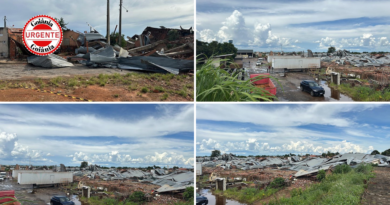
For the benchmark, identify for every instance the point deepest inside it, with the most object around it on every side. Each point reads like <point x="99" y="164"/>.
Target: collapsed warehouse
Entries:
<point x="353" y="67"/>
<point x="160" y="50"/>
<point x="297" y="171"/>
<point x="158" y="185"/>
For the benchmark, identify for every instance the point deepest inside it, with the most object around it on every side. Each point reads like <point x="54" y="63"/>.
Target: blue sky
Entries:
<point x="356" y="25"/>
<point x="248" y="129"/>
<point x="110" y="135"/>
<point x="141" y="14"/>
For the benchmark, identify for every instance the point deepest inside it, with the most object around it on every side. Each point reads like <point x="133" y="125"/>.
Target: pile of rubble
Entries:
<point x="160" y="50"/>
<point x="308" y="166"/>
<point x="358" y="60"/>
<point x="158" y="180"/>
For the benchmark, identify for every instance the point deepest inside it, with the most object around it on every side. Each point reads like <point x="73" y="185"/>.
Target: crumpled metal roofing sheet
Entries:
<point x="49" y="61"/>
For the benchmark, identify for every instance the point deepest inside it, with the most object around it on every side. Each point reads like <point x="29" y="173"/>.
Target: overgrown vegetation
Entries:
<point x="321" y="175"/>
<point x="216" y="84"/>
<point x="248" y="195"/>
<point x="344" y="187"/>
<point x="363" y="93"/>
<point x="189" y="194"/>
<point x="277" y="183"/>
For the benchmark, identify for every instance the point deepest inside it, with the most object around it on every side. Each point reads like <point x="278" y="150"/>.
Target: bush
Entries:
<point x="364" y="168"/>
<point x="137" y="196"/>
<point x="342" y="169"/>
<point x="189" y="193"/>
<point x="144" y="90"/>
<point x="321" y="175"/>
<point x="277" y="183"/>
<point x="296" y="192"/>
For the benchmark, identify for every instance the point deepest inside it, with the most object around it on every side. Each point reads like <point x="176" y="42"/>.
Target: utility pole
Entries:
<point x="120" y="23"/>
<point x="108" y="22"/>
<point x="5" y="21"/>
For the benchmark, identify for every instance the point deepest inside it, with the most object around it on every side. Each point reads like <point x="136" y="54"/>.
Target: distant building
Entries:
<point x="3" y="43"/>
<point x="244" y="53"/>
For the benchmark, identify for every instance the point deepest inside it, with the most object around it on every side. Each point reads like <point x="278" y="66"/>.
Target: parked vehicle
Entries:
<point x="1" y="178"/>
<point x="61" y="200"/>
<point x="201" y="200"/>
<point x="312" y="87"/>
<point x="258" y="63"/>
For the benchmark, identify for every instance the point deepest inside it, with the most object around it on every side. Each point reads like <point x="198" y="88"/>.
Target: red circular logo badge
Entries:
<point x="42" y="35"/>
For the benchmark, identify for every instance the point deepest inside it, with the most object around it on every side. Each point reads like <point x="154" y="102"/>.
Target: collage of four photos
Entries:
<point x="182" y="102"/>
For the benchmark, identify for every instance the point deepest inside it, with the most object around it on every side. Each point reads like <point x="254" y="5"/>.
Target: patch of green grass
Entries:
<point x="363" y="93"/>
<point x="334" y="189"/>
<point x="168" y="76"/>
<point x="159" y="88"/>
<point x="132" y="87"/>
<point x="164" y="96"/>
<point x="56" y="81"/>
<point x="248" y="195"/>
<point x="115" y="95"/>
<point x="73" y="82"/>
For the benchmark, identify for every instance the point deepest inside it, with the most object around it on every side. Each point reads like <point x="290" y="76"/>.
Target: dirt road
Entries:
<point x="378" y="188"/>
<point x="25" y="71"/>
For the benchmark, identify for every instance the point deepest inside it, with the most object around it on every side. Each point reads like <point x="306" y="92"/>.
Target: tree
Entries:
<point x="175" y="167"/>
<point x="173" y="35"/>
<point x="62" y="23"/>
<point x="189" y="193"/>
<point x="114" y="39"/>
<point x="215" y="153"/>
<point x="386" y="152"/>
<point x="215" y="48"/>
<point x="331" y="49"/>
<point x="375" y="152"/>
<point x="83" y="164"/>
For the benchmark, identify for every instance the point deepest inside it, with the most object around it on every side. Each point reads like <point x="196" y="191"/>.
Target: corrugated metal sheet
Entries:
<point x="49" y="61"/>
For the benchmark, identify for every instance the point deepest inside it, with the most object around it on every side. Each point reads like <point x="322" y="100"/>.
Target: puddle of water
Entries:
<point x="217" y="200"/>
<point x="332" y="94"/>
<point x="76" y="200"/>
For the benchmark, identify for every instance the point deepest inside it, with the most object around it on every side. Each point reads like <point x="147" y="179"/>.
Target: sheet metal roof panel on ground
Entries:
<point x="105" y="55"/>
<point x="166" y="187"/>
<point x="155" y="64"/>
<point x="49" y="61"/>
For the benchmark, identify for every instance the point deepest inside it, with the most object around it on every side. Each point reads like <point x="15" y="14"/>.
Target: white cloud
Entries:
<point x="164" y="158"/>
<point x="299" y="146"/>
<point x="366" y="40"/>
<point x="358" y="133"/>
<point x="11" y="149"/>
<point x="234" y="28"/>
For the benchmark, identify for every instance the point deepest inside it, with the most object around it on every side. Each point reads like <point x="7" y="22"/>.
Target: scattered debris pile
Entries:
<point x="161" y="50"/>
<point x="307" y="166"/>
<point x="126" y="181"/>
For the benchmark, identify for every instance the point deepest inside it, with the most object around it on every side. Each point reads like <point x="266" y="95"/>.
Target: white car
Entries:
<point x="258" y="63"/>
<point x="1" y="178"/>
